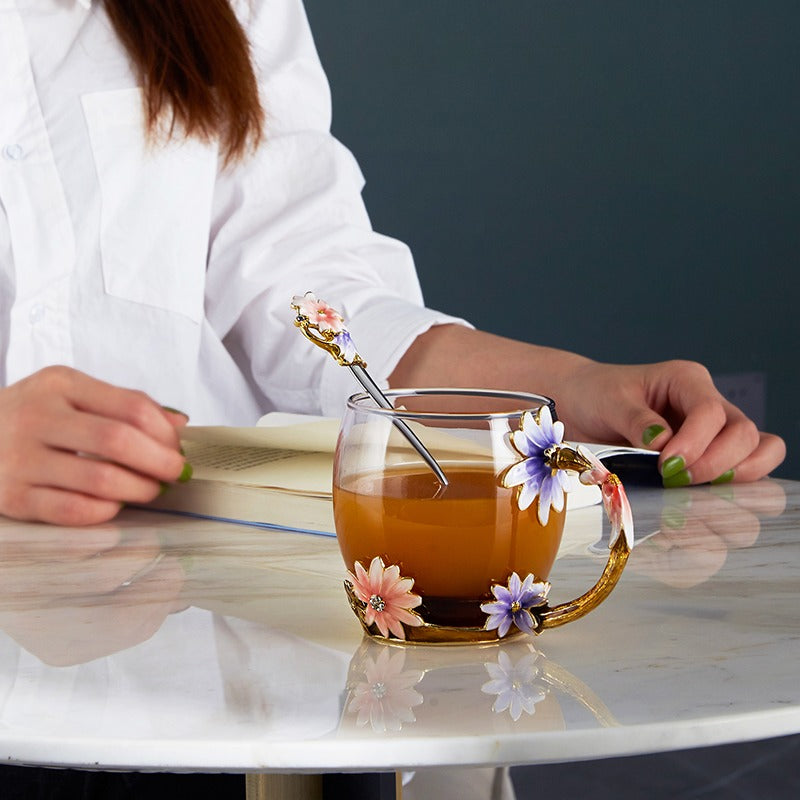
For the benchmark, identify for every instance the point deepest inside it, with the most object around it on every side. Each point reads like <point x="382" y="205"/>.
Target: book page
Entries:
<point x="318" y="436"/>
<point x="232" y="456"/>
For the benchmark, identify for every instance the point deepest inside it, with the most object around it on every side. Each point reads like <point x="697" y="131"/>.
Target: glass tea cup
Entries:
<point x="467" y="561"/>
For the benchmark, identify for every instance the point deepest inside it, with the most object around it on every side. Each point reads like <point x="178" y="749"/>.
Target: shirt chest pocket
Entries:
<point x="155" y="206"/>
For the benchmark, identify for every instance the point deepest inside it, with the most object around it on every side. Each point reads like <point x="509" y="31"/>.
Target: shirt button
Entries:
<point x="36" y="314"/>
<point x="13" y="152"/>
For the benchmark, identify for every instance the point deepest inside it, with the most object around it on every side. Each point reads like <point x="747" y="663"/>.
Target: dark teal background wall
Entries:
<point x="635" y="164"/>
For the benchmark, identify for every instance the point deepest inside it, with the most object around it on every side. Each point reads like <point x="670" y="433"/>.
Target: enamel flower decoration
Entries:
<point x="615" y="500"/>
<point x="513" y="604"/>
<point x="318" y="313"/>
<point x="386" y="696"/>
<point x="325" y="326"/>
<point x="537" y="436"/>
<point x="346" y="347"/>
<point x="387" y="597"/>
<point x="514" y="684"/>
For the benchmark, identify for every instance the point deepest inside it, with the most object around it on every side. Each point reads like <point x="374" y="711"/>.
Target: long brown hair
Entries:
<point x="193" y="60"/>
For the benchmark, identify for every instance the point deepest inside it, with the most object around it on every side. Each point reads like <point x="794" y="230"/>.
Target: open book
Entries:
<point x="275" y="474"/>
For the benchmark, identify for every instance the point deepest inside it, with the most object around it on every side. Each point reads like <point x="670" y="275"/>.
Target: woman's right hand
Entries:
<point x="74" y="450"/>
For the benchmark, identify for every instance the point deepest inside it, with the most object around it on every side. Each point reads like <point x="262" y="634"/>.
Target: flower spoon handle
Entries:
<point x="324" y="326"/>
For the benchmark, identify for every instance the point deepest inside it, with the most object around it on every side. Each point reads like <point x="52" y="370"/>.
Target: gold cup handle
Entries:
<point x="618" y="510"/>
<point x="575" y="609"/>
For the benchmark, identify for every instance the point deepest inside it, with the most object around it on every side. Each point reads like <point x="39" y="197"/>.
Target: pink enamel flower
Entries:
<point x="615" y="500"/>
<point x="318" y="313"/>
<point x="387" y="596"/>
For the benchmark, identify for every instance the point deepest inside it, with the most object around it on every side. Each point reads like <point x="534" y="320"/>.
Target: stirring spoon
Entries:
<point x="324" y="326"/>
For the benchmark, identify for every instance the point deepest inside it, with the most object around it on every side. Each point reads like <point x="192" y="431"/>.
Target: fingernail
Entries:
<point x="672" y="466"/>
<point x="162" y="488"/>
<point x="650" y="433"/>
<point x="682" y="478"/>
<point x="175" y="411"/>
<point x="673" y="518"/>
<point x="726" y="477"/>
<point x="186" y="473"/>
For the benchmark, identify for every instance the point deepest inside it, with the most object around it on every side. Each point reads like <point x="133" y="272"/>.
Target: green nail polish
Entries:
<point x="726" y="477"/>
<point x="672" y="466"/>
<point x="650" y="433"/>
<point x="175" y="411"/>
<point x="682" y="478"/>
<point x="186" y="473"/>
<point x="162" y="488"/>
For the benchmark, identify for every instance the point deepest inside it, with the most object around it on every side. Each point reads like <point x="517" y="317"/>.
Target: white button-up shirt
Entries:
<point x="151" y="266"/>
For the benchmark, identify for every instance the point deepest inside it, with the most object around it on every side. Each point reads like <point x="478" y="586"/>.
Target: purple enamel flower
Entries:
<point x="513" y="603"/>
<point x="346" y="346"/>
<point x="536" y="478"/>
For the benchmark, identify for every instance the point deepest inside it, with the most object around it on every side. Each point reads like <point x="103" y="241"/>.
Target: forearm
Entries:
<point x="452" y="355"/>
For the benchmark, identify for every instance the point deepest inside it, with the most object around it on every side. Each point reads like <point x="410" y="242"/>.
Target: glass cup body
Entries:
<point x="455" y="542"/>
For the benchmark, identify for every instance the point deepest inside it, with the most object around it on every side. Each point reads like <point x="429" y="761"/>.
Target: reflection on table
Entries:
<point x="166" y="642"/>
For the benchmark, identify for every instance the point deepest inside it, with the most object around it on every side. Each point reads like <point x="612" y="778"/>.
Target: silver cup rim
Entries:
<point x="361" y="402"/>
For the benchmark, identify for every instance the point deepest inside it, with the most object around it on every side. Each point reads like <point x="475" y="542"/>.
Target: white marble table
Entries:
<point x="170" y="643"/>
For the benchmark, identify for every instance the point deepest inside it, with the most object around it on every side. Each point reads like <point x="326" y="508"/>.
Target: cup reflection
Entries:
<point x="433" y="690"/>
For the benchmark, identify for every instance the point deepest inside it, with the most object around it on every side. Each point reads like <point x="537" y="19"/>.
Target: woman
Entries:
<point x="168" y="184"/>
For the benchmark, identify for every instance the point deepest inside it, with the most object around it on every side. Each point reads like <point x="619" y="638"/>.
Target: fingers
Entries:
<point x="113" y="441"/>
<point x="738" y="452"/>
<point x="674" y="407"/>
<point x="102" y="479"/>
<point x="769" y="453"/>
<point x="99" y="399"/>
<point x="74" y="449"/>
<point x="713" y="439"/>
<point x="57" y="506"/>
<point x="644" y="427"/>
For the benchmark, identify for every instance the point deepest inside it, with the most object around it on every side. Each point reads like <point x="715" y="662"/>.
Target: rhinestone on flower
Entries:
<point x="376" y="601"/>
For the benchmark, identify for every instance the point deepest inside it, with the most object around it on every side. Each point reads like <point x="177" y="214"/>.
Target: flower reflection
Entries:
<point x="386" y="697"/>
<point x="516" y="684"/>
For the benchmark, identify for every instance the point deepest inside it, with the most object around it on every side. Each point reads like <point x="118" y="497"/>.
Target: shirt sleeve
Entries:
<point x="290" y="219"/>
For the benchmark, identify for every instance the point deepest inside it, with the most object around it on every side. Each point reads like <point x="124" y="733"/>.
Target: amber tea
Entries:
<point x="455" y="542"/>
